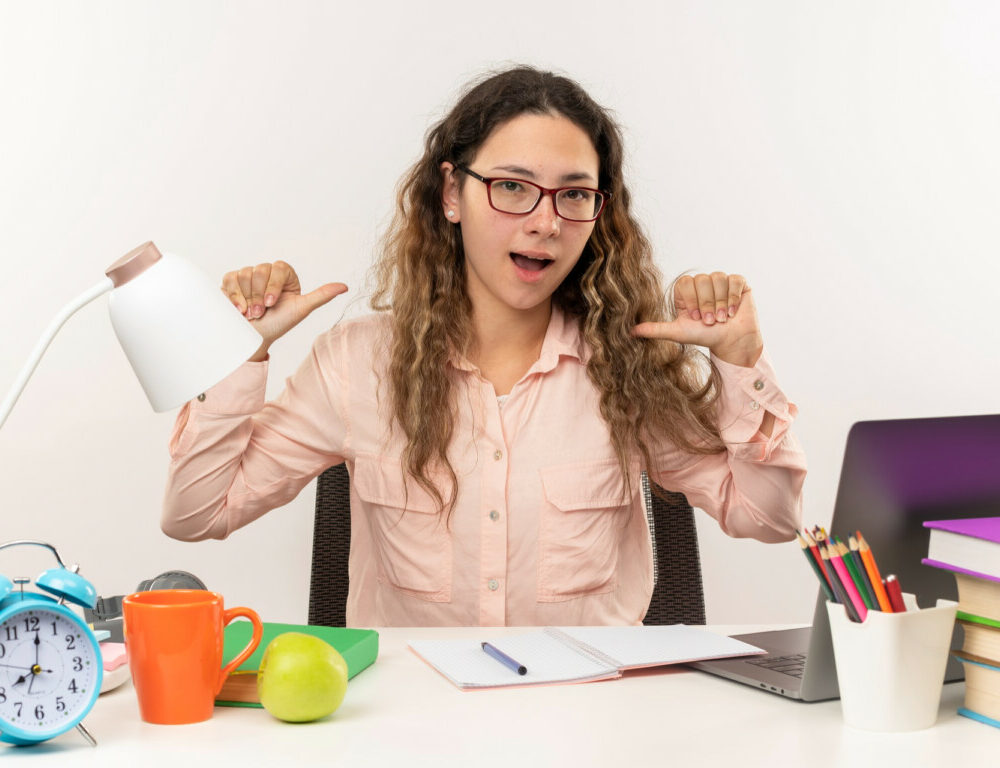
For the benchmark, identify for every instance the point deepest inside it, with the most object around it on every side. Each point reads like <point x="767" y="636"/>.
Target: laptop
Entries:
<point x="896" y="474"/>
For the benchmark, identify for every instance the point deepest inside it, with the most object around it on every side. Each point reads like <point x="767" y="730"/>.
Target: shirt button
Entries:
<point x="494" y="515"/>
<point x="201" y="398"/>
<point x="758" y="385"/>
<point x="497" y="455"/>
<point x="493" y="584"/>
<point x="754" y="405"/>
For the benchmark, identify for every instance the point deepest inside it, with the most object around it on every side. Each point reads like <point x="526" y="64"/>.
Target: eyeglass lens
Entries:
<point x="512" y="196"/>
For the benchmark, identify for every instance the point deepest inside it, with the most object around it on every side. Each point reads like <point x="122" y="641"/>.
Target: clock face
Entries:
<point x="50" y="671"/>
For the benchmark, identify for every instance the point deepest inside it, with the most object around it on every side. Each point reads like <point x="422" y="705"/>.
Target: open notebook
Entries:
<point x="574" y="654"/>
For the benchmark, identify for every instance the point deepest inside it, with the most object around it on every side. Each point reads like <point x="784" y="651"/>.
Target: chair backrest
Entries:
<point x="678" y="596"/>
<point x="331" y="548"/>
<point x="677" y="593"/>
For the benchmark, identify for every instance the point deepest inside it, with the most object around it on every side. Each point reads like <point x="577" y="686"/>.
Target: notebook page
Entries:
<point x="548" y="661"/>
<point x="633" y="647"/>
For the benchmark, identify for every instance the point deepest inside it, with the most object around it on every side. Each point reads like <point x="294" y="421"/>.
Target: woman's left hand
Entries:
<point x="715" y="311"/>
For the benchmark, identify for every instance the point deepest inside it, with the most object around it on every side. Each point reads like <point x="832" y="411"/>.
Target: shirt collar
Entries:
<point x="562" y="339"/>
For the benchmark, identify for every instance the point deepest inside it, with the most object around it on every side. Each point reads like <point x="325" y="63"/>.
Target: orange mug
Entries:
<point x="174" y="642"/>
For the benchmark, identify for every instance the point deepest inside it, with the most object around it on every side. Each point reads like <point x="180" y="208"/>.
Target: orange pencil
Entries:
<point x="869" y="560"/>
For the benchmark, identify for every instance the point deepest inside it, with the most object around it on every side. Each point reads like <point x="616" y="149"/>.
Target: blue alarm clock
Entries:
<point x="50" y="661"/>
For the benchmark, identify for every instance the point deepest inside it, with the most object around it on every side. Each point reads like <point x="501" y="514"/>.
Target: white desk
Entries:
<point x="401" y="712"/>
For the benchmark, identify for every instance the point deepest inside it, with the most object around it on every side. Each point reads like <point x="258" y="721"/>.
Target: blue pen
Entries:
<point x="504" y="659"/>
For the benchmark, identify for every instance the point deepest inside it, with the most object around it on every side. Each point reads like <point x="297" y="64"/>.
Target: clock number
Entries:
<point x="77" y="664"/>
<point x="39" y="712"/>
<point x="11" y="633"/>
<point x="55" y="630"/>
<point x="72" y="686"/>
<point x="30" y="623"/>
<point x="70" y="642"/>
<point x="18" y="705"/>
<point x="3" y="695"/>
<point x="3" y="651"/>
<point x="60" y="704"/>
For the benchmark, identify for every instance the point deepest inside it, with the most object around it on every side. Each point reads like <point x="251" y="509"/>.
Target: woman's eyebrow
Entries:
<point x="519" y="171"/>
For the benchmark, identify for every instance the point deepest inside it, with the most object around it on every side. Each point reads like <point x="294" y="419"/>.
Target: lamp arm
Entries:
<point x="43" y="343"/>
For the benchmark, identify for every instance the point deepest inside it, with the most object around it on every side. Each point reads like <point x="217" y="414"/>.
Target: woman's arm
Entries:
<point x="754" y="488"/>
<point x="234" y="457"/>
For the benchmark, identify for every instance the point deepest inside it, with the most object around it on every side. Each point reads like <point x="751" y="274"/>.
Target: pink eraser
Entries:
<point x="114" y="655"/>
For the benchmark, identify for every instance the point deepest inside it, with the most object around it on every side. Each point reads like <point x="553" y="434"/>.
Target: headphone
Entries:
<point x="107" y="614"/>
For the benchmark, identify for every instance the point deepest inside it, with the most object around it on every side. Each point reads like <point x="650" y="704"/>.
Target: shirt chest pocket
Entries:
<point x="411" y="538"/>
<point x="580" y="526"/>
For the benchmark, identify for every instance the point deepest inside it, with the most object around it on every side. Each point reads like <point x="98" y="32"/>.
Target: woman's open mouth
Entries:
<point x="530" y="264"/>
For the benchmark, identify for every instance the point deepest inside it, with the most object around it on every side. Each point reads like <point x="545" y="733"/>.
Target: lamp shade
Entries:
<point x="178" y="330"/>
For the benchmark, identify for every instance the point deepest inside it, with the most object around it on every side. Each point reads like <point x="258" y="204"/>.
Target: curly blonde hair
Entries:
<point x="649" y="390"/>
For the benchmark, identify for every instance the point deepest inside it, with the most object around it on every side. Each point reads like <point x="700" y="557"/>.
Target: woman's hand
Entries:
<point x="714" y="311"/>
<point x="270" y="297"/>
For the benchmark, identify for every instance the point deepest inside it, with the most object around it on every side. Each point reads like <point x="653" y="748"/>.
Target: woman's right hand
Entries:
<point x="270" y="297"/>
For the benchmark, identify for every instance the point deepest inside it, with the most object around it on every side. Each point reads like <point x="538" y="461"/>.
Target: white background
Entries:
<point x="844" y="156"/>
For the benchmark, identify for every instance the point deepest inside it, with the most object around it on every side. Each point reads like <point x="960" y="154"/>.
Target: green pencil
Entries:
<point x="815" y="566"/>
<point x="863" y="572"/>
<point x="852" y="569"/>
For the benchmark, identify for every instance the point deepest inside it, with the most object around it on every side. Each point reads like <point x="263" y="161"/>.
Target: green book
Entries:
<point x="963" y="616"/>
<point x="359" y="647"/>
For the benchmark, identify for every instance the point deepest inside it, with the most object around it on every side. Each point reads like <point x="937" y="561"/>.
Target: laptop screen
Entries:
<point x="897" y="474"/>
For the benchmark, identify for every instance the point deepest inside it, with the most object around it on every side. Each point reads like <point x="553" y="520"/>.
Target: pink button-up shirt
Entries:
<point x="542" y="531"/>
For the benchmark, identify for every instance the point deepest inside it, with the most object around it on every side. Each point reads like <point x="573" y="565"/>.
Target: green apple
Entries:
<point x="301" y="678"/>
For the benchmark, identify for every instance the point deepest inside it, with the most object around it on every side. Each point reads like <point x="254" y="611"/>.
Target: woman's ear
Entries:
<point x="449" y="193"/>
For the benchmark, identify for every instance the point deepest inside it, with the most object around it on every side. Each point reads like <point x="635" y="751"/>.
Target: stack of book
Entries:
<point x="970" y="549"/>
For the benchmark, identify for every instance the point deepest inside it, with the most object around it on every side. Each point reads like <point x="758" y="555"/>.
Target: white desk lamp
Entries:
<point x="181" y="336"/>
<point x="178" y="330"/>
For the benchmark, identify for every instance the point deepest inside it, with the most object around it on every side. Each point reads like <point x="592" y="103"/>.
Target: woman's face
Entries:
<point x="516" y="262"/>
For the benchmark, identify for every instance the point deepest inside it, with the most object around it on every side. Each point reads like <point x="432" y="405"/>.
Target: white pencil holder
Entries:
<point x="891" y="666"/>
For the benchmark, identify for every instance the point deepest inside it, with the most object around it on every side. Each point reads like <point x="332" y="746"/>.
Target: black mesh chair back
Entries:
<point x="331" y="548"/>
<point x="678" y="597"/>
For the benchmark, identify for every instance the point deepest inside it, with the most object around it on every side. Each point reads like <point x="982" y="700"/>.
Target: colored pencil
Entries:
<point x="807" y="551"/>
<point x="895" y="593"/>
<point x="814" y="548"/>
<point x="845" y="555"/>
<point x="859" y="565"/>
<point x="831" y="574"/>
<point x="838" y="588"/>
<point x="847" y="582"/>
<point x="876" y="579"/>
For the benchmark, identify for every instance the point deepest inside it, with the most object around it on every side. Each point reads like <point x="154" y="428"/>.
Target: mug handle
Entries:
<point x="258" y="632"/>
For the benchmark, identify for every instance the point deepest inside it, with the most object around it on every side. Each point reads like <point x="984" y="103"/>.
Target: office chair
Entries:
<point x="677" y="593"/>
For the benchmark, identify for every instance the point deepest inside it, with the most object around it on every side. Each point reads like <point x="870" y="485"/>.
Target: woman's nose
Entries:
<point x="544" y="219"/>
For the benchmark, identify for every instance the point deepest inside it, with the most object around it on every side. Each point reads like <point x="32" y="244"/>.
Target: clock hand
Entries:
<point x="13" y="666"/>
<point x="35" y="670"/>
<point x="37" y="643"/>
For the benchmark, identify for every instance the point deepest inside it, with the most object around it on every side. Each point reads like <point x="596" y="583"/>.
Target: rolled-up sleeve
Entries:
<point x="754" y="488"/>
<point x="235" y="457"/>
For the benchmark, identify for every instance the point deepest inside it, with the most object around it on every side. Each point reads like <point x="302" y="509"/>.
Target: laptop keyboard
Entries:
<point x="792" y="665"/>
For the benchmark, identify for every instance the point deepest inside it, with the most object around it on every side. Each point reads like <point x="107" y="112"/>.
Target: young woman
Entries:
<point x="522" y="368"/>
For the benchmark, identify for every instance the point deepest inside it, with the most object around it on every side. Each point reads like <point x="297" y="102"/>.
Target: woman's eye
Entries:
<point x="510" y="186"/>
<point x="578" y="195"/>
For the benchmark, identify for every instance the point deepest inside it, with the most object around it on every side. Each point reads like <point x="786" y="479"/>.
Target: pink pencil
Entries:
<point x="845" y="577"/>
